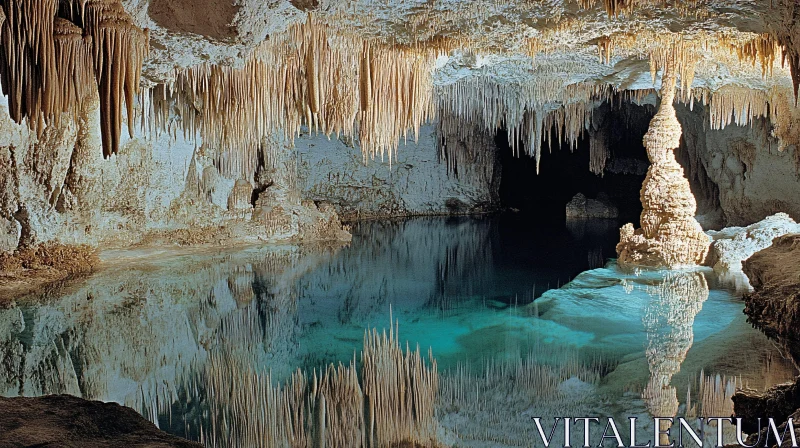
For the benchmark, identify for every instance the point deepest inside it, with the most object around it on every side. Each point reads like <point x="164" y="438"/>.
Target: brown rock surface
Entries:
<point x="774" y="306"/>
<point x="67" y="421"/>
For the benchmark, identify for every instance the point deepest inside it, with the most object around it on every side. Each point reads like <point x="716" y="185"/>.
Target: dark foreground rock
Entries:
<point x="779" y="402"/>
<point x="774" y="307"/>
<point x="67" y="421"/>
<point x="774" y="273"/>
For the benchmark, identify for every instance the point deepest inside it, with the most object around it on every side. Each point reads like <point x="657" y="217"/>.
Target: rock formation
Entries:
<point x="732" y="245"/>
<point x="204" y="91"/>
<point x="581" y="207"/>
<point x="63" y="420"/>
<point x="774" y="306"/>
<point x="670" y="236"/>
<point x="780" y="402"/>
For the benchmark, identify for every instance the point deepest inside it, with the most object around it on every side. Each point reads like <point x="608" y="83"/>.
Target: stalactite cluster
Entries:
<point x="763" y="49"/>
<point x="670" y="236"/>
<point x="310" y="76"/>
<point x="615" y="8"/>
<point x="75" y="68"/>
<point x="785" y="29"/>
<point x="27" y="60"/>
<point x="45" y="69"/>
<point x="546" y="109"/>
<point x="682" y="54"/>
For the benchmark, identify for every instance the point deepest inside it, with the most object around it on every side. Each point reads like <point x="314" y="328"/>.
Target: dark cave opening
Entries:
<point x="564" y="173"/>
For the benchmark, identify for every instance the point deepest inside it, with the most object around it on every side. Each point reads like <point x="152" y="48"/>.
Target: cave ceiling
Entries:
<point x="507" y="41"/>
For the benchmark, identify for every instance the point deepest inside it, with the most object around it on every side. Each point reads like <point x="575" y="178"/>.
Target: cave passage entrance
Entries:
<point x="564" y="173"/>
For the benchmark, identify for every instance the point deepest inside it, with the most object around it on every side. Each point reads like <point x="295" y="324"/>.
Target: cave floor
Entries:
<point x="482" y="294"/>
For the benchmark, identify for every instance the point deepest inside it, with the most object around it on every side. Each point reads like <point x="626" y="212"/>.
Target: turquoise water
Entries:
<point x="474" y="290"/>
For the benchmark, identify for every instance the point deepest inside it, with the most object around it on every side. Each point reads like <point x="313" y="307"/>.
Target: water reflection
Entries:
<point x="668" y="321"/>
<point x="149" y="332"/>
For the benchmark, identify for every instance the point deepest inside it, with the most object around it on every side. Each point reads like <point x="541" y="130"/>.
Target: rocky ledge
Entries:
<point x="67" y="421"/>
<point x="780" y="402"/>
<point x="774" y="273"/>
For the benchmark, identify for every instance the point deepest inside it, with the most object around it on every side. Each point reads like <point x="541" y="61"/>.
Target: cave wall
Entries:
<point x="738" y="174"/>
<point x="415" y="183"/>
<point x="157" y="190"/>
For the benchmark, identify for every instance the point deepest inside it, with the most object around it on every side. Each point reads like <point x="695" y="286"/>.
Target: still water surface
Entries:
<point x="478" y="292"/>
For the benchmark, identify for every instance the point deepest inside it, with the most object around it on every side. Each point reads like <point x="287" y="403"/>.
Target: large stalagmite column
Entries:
<point x="670" y="236"/>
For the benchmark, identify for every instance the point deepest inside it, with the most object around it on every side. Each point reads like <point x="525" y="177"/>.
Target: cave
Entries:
<point x="324" y="223"/>
<point x="564" y="171"/>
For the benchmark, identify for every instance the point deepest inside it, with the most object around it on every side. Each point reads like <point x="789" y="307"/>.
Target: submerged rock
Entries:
<point x="64" y="420"/>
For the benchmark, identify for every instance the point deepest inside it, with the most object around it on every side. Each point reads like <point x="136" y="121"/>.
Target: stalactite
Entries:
<point x="599" y="152"/>
<point x="740" y="105"/>
<point x="310" y="75"/>
<point x="119" y="52"/>
<point x="615" y="8"/>
<point x="75" y="70"/>
<point x="546" y="109"/>
<point x="681" y="53"/>
<point x="605" y="48"/>
<point x="28" y="61"/>
<point x="47" y="51"/>
<point x="763" y="49"/>
<point x="466" y="149"/>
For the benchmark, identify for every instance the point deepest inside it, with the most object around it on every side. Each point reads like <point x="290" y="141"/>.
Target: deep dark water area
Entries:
<point x="534" y="317"/>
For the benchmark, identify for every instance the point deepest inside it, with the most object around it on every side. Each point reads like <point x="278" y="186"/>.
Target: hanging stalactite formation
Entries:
<point x="119" y="52"/>
<point x="75" y="68"/>
<point x="44" y="68"/>
<point x="27" y="60"/>
<point x="309" y="76"/>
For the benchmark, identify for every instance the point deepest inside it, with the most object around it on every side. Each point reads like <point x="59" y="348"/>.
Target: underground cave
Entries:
<point x="418" y="223"/>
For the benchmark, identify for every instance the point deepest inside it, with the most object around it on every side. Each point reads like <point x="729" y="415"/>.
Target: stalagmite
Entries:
<point x="670" y="236"/>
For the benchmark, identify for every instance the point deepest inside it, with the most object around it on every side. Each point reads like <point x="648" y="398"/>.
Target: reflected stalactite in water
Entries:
<point x="139" y="336"/>
<point x="668" y="322"/>
<point x="394" y="401"/>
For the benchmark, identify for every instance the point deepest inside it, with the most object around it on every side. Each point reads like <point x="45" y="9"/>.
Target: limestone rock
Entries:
<point x="581" y="207"/>
<point x="670" y="236"/>
<point x="732" y="245"/>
